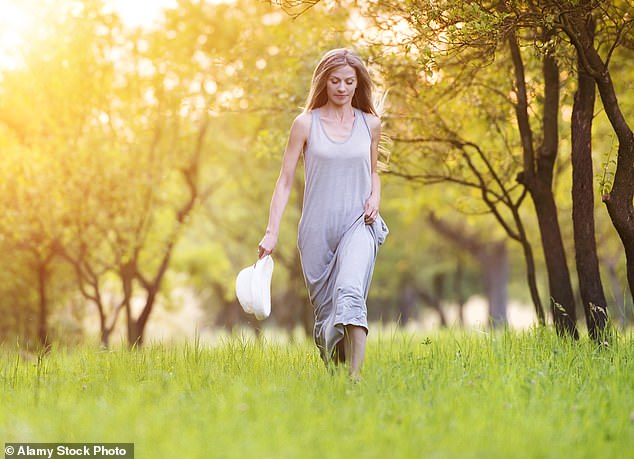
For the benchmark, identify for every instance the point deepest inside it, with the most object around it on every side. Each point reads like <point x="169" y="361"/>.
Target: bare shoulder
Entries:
<point x="301" y="124"/>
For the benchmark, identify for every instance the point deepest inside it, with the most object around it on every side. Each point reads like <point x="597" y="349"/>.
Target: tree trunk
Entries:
<point x="537" y="177"/>
<point x="531" y="276"/>
<point x="135" y="334"/>
<point x="105" y="338"/>
<point x="492" y="262"/>
<point x="461" y="298"/>
<point x="104" y="333"/>
<point x="495" y="280"/>
<point x="126" y="274"/>
<point x="620" y="200"/>
<point x="561" y="295"/>
<point x="439" y="292"/>
<point x="42" y="325"/>
<point x="590" y="286"/>
<point x="431" y="299"/>
<point x="406" y="300"/>
<point x="230" y="313"/>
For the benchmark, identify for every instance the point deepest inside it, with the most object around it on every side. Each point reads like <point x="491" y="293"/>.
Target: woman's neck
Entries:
<point x="340" y="113"/>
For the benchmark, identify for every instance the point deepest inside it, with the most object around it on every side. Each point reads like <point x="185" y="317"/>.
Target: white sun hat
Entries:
<point x="253" y="288"/>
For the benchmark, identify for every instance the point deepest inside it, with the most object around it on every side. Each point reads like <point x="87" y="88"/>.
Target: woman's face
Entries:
<point x="341" y="84"/>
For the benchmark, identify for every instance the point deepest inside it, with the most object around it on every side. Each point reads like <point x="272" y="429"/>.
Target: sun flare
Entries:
<point x="15" y="26"/>
<point x="141" y="13"/>
<point x="22" y="19"/>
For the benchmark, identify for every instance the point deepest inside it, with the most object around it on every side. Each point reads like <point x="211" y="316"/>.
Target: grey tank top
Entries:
<point x="338" y="183"/>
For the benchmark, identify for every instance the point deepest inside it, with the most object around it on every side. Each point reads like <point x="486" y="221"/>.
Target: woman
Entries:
<point x="340" y="228"/>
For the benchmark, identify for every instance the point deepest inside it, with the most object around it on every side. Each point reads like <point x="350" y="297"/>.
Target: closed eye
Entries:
<point x="349" y="81"/>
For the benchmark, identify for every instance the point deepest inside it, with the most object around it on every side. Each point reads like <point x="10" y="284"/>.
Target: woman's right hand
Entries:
<point x="267" y="245"/>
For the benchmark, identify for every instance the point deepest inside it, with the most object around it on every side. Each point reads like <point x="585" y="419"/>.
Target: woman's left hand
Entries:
<point x="371" y="210"/>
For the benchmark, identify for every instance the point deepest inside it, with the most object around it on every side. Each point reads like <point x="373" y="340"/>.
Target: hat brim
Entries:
<point x="261" y="287"/>
<point x="253" y="288"/>
<point x="243" y="289"/>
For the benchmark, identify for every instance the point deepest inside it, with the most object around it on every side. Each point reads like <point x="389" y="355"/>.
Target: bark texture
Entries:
<point x="537" y="177"/>
<point x="587" y="262"/>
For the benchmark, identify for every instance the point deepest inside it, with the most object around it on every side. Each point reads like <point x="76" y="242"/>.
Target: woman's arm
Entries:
<point x="296" y="140"/>
<point x="373" y="202"/>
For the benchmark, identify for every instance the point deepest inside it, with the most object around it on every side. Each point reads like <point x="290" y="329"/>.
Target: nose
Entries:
<point x="341" y="87"/>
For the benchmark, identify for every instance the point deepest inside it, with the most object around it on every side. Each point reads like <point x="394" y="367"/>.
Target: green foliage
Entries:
<point x="441" y="395"/>
<point x="105" y="131"/>
<point x="452" y="84"/>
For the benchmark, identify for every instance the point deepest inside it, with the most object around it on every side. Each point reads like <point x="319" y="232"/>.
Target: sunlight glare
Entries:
<point x="19" y="20"/>
<point x="15" y="25"/>
<point x="140" y="13"/>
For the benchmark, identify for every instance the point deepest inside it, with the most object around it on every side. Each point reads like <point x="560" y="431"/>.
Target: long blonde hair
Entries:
<point x="332" y="60"/>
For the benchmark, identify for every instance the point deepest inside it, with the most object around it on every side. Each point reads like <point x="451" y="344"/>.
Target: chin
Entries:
<point x="341" y="101"/>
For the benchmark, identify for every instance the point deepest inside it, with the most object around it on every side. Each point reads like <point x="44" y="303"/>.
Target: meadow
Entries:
<point x="445" y="394"/>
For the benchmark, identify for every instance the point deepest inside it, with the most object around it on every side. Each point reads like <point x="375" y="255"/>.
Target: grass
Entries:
<point x="450" y="394"/>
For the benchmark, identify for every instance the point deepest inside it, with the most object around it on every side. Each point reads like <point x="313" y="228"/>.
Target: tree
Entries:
<point x="590" y="286"/>
<point x="537" y="177"/>
<point x="492" y="260"/>
<point x="575" y="20"/>
<point x="120" y="159"/>
<point x="469" y="35"/>
<point x="437" y="147"/>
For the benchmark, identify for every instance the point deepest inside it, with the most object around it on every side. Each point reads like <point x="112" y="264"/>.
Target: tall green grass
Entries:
<point x="448" y="394"/>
